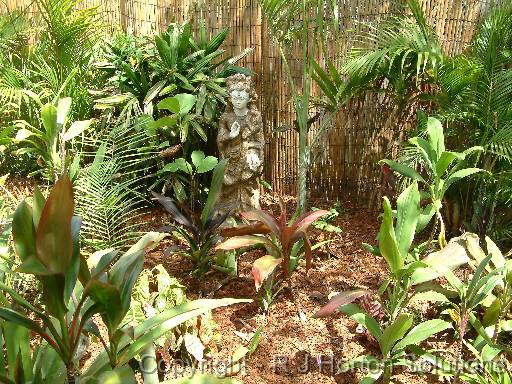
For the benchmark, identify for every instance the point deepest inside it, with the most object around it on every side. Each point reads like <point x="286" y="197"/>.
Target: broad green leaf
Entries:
<point x="208" y="163"/>
<point x="425" y="216"/>
<point x="197" y="158"/>
<point x="426" y="151"/>
<point x="76" y="129"/>
<point x="445" y="161"/>
<point x="449" y="258"/>
<point x="54" y="242"/>
<point x="17" y="343"/>
<point x="182" y="165"/>
<point x="63" y="108"/>
<point x="408" y="211"/>
<point x="394" y="332"/>
<point x="171" y="104"/>
<point x="404" y="170"/>
<point x="49" y="119"/>
<point x="491" y="314"/>
<point x="340" y="299"/>
<point x="361" y="317"/>
<point x="54" y="287"/>
<point x="23" y="231"/>
<point x="186" y="103"/>
<point x="109" y="297"/>
<point x="37" y="205"/>
<point x="421" y="332"/>
<point x="436" y="135"/>
<point x="458" y="175"/>
<point x="214" y="192"/>
<point x="263" y="267"/>
<point x="387" y="240"/>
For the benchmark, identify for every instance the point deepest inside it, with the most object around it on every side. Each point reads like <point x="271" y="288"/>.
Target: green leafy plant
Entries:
<point x="325" y="223"/>
<point x="442" y="168"/>
<point x="284" y="246"/>
<point x="183" y="175"/>
<point x="46" y="240"/>
<point x="200" y="232"/>
<point x="56" y="67"/>
<point x="185" y="70"/>
<point x="393" y="340"/>
<point x="49" y="142"/>
<point x="407" y="268"/>
<point x="156" y="292"/>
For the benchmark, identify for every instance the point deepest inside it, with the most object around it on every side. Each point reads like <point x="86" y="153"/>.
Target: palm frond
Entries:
<point x="110" y="195"/>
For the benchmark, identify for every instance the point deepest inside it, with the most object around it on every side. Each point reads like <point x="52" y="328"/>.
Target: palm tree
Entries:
<point x="58" y="66"/>
<point x="300" y="29"/>
<point x="475" y="100"/>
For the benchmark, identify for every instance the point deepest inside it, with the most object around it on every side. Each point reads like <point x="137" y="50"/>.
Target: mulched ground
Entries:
<point x="294" y="347"/>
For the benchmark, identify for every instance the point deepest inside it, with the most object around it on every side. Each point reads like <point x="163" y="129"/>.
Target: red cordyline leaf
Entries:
<point x="287" y="240"/>
<point x="241" y="242"/>
<point x="54" y="240"/>
<point x="303" y="224"/>
<point x="339" y="300"/>
<point x="263" y="267"/>
<point x="265" y="218"/>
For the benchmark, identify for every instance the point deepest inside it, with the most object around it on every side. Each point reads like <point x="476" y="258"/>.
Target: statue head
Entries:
<point x="240" y="91"/>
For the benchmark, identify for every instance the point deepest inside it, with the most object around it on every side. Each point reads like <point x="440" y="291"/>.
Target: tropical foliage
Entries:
<point x="100" y="123"/>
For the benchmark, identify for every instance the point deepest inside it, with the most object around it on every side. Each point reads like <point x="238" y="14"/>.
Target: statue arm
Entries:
<point x="256" y="141"/>
<point x="256" y="145"/>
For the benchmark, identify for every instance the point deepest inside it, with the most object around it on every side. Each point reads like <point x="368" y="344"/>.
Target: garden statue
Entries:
<point x="241" y="142"/>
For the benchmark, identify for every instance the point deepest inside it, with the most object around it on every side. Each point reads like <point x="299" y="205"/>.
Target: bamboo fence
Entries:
<point x="345" y="164"/>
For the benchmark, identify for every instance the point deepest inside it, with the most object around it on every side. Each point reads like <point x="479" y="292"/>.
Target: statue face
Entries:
<point x="239" y="98"/>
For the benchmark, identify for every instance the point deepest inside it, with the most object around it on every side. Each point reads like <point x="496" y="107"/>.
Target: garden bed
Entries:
<point x="292" y="342"/>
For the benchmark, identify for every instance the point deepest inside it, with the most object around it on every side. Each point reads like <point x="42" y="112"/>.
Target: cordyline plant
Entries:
<point x="200" y="232"/>
<point x="46" y="238"/>
<point x="49" y="141"/>
<point x="396" y="246"/>
<point x="442" y="169"/>
<point x="393" y="340"/>
<point x="284" y="246"/>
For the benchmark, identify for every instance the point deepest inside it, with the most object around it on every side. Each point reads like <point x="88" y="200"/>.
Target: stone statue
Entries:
<point x="241" y="141"/>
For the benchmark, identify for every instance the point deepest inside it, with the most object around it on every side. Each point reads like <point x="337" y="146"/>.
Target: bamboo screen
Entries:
<point x="345" y="164"/>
